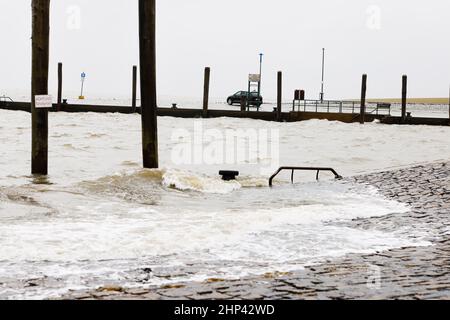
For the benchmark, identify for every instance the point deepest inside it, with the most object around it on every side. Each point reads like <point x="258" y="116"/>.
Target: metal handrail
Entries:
<point x="328" y="106"/>
<point x="318" y="169"/>
<point x="5" y="97"/>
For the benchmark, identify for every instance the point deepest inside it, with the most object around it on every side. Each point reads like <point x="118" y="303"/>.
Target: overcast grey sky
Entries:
<point x="384" y="38"/>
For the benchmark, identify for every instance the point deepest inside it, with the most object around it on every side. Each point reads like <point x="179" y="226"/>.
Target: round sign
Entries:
<point x="83" y="75"/>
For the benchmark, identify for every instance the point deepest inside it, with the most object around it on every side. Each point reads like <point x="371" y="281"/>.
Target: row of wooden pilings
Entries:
<point x="39" y="79"/>
<point x="147" y="57"/>
<point x="206" y="87"/>
<point x="244" y="106"/>
<point x="363" y="98"/>
<point x="280" y="96"/>
<point x="244" y="103"/>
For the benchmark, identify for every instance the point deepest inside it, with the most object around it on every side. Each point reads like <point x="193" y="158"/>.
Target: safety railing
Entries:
<point x="335" y="106"/>
<point x="5" y="98"/>
<point x="293" y="169"/>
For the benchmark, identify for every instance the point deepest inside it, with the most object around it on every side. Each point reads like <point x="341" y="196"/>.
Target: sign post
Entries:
<point x="253" y="80"/>
<point x="83" y="77"/>
<point x="39" y="86"/>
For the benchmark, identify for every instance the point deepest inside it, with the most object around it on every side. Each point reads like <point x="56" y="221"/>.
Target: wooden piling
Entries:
<point x="60" y="79"/>
<point x="134" y="89"/>
<point x="243" y="104"/>
<point x="39" y="85"/>
<point x="279" y="94"/>
<point x="147" y="53"/>
<point x="404" y="96"/>
<point x="363" y="99"/>
<point x="206" y="91"/>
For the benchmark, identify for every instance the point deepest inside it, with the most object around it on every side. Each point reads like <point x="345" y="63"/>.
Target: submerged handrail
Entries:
<point x="318" y="169"/>
<point x="6" y="98"/>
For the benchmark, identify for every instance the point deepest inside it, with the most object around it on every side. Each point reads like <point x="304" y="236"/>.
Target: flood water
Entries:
<point x="100" y="219"/>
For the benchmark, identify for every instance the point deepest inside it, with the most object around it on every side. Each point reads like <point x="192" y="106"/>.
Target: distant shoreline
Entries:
<point x="440" y="101"/>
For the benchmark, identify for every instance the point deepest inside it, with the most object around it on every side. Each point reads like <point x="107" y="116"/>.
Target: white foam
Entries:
<point x="184" y="180"/>
<point x="99" y="242"/>
<point x="186" y="213"/>
<point x="117" y="230"/>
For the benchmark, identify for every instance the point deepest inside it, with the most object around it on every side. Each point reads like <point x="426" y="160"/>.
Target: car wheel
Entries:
<point x="230" y="102"/>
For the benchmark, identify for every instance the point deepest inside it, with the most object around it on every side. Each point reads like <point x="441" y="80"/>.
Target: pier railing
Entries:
<point x="336" y="106"/>
<point x="6" y="99"/>
<point x="293" y="169"/>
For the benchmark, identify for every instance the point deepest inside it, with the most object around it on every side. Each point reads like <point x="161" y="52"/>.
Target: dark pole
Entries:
<point x="279" y="94"/>
<point x="323" y="75"/>
<point x="134" y="89"/>
<point x="147" y="50"/>
<point x="39" y="85"/>
<point x="247" y="100"/>
<point x="243" y="103"/>
<point x="206" y="91"/>
<point x="260" y="73"/>
<point x="404" y="96"/>
<point x="363" y="99"/>
<point x="60" y="77"/>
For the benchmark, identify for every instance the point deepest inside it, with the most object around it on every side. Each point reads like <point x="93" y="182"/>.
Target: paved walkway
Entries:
<point x="405" y="273"/>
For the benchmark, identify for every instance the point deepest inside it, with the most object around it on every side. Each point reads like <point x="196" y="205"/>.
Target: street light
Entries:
<point x="260" y="72"/>
<point x="323" y="74"/>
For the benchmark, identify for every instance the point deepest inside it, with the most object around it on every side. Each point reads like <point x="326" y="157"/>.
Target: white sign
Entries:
<point x="43" y="101"/>
<point x="254" y="77"/>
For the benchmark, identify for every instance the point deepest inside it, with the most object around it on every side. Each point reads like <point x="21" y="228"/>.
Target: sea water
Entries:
<point x="98" y="218"/>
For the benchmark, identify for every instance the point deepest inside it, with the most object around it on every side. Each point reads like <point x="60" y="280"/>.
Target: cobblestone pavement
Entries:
<point x="404" y="273"/>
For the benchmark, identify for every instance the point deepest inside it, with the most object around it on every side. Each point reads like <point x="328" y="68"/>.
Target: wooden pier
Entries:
<point x="291" y="116"/>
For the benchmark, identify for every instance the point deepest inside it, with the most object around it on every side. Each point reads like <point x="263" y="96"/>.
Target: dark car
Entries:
<point x="254" y="98"/>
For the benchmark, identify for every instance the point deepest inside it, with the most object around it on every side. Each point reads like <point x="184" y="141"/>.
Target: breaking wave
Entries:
<point x="144" y="183"/>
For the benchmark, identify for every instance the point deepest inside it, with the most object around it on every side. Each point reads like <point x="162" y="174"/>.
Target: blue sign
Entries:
<point x="83" y="75"/>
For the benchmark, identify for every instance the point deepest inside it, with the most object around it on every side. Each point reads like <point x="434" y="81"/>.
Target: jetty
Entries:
<point x="347" y="112"/>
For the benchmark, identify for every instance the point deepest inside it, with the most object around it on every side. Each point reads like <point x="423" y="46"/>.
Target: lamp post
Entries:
<point x="323" y="75"/>
<point x="260" y="72"/>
